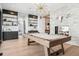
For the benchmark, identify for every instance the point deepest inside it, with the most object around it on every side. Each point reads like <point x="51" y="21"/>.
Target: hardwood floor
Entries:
<point x="18" y="47"/>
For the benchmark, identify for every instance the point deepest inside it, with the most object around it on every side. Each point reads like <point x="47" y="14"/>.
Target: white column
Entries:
<point x="26" y="23"/>
<point x="41" y="25"/>
<point x="52" y="23"/>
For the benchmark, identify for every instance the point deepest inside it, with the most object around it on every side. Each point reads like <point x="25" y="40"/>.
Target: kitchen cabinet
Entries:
<point x="10" y="25"/>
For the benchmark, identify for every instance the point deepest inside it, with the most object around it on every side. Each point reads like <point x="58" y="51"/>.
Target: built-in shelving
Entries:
<point x="32" y="22"/>
<point x="10" y="21"/>
<point x="10" y="25"/>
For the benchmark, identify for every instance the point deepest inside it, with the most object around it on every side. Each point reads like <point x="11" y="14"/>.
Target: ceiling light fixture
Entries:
<point x="42" y="9"/>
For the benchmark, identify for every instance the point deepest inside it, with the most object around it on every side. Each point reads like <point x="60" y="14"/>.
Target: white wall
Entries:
<point x="41" y="25"/>
<point x="72" y="22"/>
<point x="53" y="22"/>
<point x="20" y="21"/>
<point x="74" y="25"/>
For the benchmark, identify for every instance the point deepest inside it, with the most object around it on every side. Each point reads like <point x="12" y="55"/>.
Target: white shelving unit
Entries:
<point x="32" y="22"/>
<point x="10" y="23"/>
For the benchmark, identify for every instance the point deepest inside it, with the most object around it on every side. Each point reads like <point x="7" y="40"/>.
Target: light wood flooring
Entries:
<point x="18" y="47"/>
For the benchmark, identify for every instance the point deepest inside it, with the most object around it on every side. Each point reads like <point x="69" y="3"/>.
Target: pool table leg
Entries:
<point x="47" y="51"/>
<point x="62" y="48"/>
<point x="28" y="42"/>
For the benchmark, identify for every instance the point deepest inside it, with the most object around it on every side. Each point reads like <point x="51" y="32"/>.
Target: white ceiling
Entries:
<point x="32" y="8"/>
